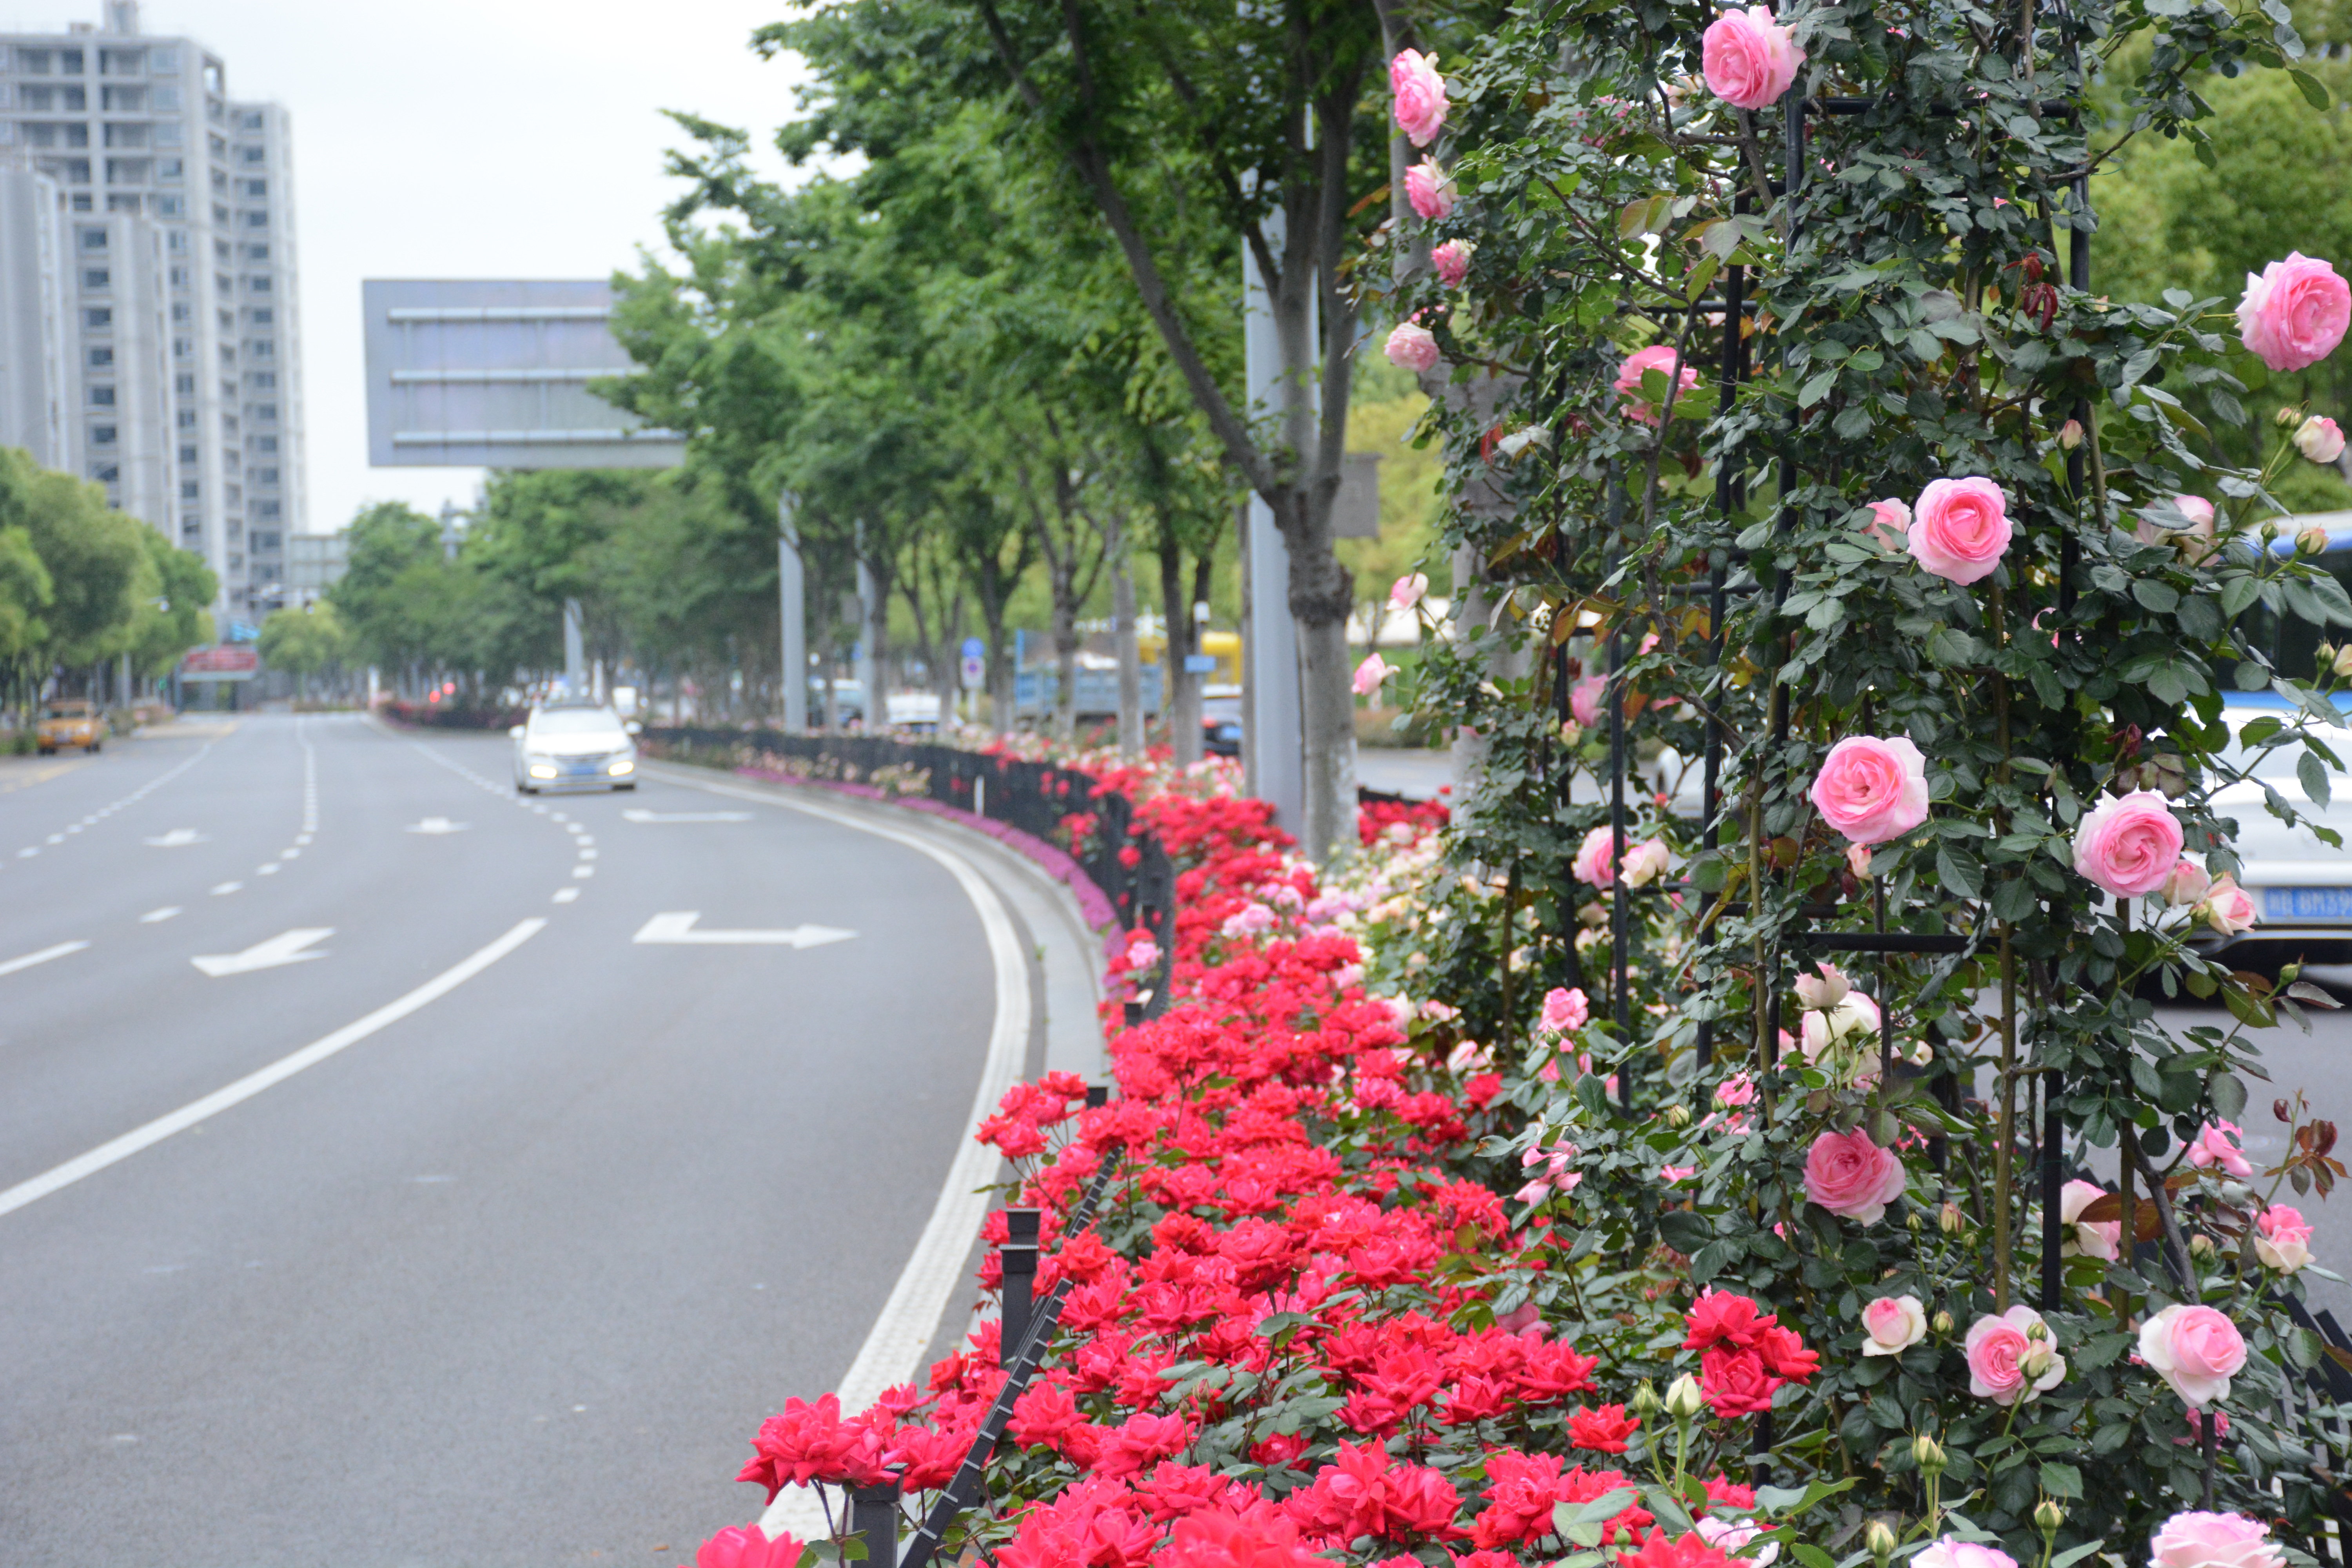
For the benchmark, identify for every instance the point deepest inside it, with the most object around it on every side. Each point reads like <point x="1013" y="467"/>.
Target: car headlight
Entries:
<point x="542" y="770"/>
<point x="623" y="766"/>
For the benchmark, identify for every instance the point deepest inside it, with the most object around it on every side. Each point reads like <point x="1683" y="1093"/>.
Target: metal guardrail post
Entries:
<point x="874" y="1519"/>
<point x="1019" y="1255"/>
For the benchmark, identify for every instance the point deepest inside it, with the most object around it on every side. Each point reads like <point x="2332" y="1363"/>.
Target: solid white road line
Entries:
<point x="893" y="1351"/>
<point x="43" y="956"/>
<point x="277" y="1072"/>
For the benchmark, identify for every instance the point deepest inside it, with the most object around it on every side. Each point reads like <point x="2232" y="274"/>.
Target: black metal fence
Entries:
<point x="1121" y="857"/>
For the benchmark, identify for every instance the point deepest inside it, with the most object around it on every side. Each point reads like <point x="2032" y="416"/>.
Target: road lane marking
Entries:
<point x="178" y="838"/>
<point x="43" y="956"/>
<point x="638" y="814"/>
<point x="269" y="870"/>
<point x="676" y="928"/>
<point x="583" y="871"/>
<point x="227" y="888"/>
<point x="152" y="916"/>
<point x="277" y="1072"/>
<point x="435" y="824"/>
<point x="565" y="895"/>
<point x="893" y="1351"/>
<point x="282" y="948"/>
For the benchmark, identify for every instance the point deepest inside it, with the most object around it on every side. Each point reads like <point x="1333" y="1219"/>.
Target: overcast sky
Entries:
<point x="463" y="139"/>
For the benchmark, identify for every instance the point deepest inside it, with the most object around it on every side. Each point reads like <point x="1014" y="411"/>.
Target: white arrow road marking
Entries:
<point x="43" y="956"/>
<point x="284" y="948"/>
<point x="253" y="1083"/>
<point x="178" y="838"/>
<point x="436" y="824"/>
<point x="677" y="928"/>
<point x="639" y="814"/>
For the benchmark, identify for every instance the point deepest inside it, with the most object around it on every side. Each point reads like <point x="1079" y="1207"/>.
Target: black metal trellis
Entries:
<point x="1731" y="370"/>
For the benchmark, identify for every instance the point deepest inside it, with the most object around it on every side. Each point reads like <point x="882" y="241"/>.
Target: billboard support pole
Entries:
<point x="791" y="605"/>
<point x="576" y="672"/>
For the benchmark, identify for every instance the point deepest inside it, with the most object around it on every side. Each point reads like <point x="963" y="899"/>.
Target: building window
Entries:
<point x="262" y="348"/>
<point x="256" y="189"/>
<point x="164" y="62"/>
<point x="122" y="99"/>
<point x="186" y="418"/>
<point x="128" y="133"/>
<point x="256" y="219"/>
<point x="227" y="320"/>
<point x="184" y="348"/>
<point x="105" y="473"/>
<point x="188" y="457"/>
<point x="265" y="476"/>
<point x="263" y="317"/>
<point x="167" y="101"/>
<point x="70" y="62"/>
<point x="263" y="381"/>
<point x="128" y="171"/>
<point x="251" y="156"/>
<point x="189" y="490"/>
<point x="257" y="253"/>
<point x="180" y="279"/>
<point x="170" y="171"/>
<point x="97" y="319"/>
<point x="170" y="206"/>
<point x="266" y="509"/>
<point x="93" y="239"/>
<point x="82" y="198"/>
<point x="266" y="411"/>
<point x="265" y="443"/>
<point x="102" y="435"/>
<point x="35" y="62"/>
<point x="185" y="385"/>
<point x="122" y="204"/>
<point x="220" y="216"/>
<point x="267" y="540"/>
<point x="180" y="312"/>
<point x="176" y="242"/>
<point x="101" y="397"/>
<point x="258" y="285"/>
<point x="249" y="121"/>
<point x="213" y="77"/>
<point x="94" y="277"/>
<point x="99" y="359"/>
<point x="122" y="62"/>
<point x="192" y="528"/>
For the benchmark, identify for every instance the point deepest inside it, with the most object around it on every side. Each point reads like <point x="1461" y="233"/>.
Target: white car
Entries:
<point x="575" y="746"/>
<point x="2302" y="885"/>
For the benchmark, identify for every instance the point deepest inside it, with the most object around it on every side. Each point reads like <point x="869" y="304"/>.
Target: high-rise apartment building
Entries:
<point x="173" y="372"/>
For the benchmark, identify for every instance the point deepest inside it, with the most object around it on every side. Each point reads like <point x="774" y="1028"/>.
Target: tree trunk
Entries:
<point x="1065" y="658"/>
<point x="1183" y="687"/>
<point x="1122" y="625"/>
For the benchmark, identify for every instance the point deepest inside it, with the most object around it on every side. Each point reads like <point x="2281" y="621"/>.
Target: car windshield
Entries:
<point x="2279" y="762"/>
<point x="1221" y="708"/>
<point x="67" y="710"/>
<point x="574" y="721"/>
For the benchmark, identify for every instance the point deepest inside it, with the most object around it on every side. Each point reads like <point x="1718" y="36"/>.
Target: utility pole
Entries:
<point x="575" y="674"/>
<point x="1272" y="732"/>
<point x="792" y="603"/>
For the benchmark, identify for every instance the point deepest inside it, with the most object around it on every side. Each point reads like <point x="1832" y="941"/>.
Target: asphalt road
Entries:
<point x="511" y="1280"/>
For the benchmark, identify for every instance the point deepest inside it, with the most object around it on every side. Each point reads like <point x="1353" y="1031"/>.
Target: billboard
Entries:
<point x="495" y="374"/>
<point x="220" y="664"/>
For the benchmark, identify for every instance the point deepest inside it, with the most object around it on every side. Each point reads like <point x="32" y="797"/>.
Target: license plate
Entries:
<point x="2307" y="903"/>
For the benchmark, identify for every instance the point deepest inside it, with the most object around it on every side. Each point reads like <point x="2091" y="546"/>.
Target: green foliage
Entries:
<point x="306" y="642"/>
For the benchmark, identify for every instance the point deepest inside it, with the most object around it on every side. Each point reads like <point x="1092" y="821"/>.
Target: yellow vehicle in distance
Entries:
<point x="69" y="722"/>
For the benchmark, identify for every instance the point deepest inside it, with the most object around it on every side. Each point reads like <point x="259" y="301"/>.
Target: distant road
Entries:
<point x="528" y="1223"/>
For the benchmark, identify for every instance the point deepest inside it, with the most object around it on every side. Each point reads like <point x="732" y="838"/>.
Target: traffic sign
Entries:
<point x="975" y="671"/>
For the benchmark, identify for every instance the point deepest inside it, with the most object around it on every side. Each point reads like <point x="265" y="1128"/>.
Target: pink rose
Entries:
<point x="1872" y="790"/>
<point x="1850" y="1176"/>
<point x="1430" y="189"/>
<point x="2008" y="1361"/>
<point x="1890" y="520"/>
<point x="1406" y="590"/>
<point x="1564" y="1010"/>
<point x="2096" y="1240"/>
<point x="2295" y="314"/>
<point x="1951" y="1551"/>
<point x="2230" y="909"/>
<point x="2194" y="1349"/>
<point x="1657" y="357"/>
<point x="2214" y="1541"/>
<point x="2187" y="883"/>
<point x="1737" y="1090"/>
<point x="1584" y="699"/>
<point x="1592" y="862"/>
<point x="1452" y="261"/>
<point x="1749" y="59"/>
<point x="2197" y="509"/>
<point x="1412" y="347"/>
<point x="2319" y="439"/>
<point x="2216" y="1147"/>
<point x="1645" y="861"/>
<point x="2128" y="844"/>
<point x="2282" y="1238"/>
<point x="1855" y="1017"/>
<point x="1960" y="528"/>
<point x="1824" y="991"/>
<point x="1420" y="95"/>
<point x="1893" y="1324"/>
<point x="1371" y="673"/>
